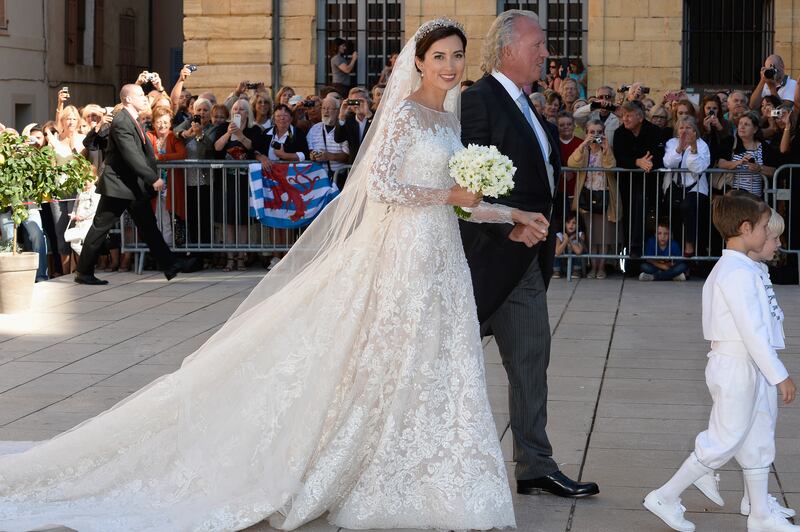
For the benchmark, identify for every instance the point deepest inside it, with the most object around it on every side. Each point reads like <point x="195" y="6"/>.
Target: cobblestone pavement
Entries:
<point x="627" y="394"/>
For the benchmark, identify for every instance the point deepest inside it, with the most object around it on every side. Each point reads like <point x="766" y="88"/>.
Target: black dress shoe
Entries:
<point x="558" y="484"/>
<point x="81" y="278"/>
<point x="173" y="270"/>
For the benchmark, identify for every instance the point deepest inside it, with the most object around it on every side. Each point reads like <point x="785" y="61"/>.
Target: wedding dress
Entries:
<point x="358" y="389"/>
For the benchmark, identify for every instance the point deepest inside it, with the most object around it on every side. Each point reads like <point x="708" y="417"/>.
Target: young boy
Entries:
<point x="708" y="484"/>
<point x="742" y="365"/>
<point x="662" y="245"/>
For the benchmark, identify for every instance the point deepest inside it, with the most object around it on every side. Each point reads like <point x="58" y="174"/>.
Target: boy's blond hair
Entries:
<point x="776" y="224"/>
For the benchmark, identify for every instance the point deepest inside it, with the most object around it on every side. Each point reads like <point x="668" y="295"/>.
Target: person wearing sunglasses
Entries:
<point x="601" y="108"/>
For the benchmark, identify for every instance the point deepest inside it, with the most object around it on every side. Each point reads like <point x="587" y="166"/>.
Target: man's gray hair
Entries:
<point x="538" y="97"/>
<point x="501" y="34"/>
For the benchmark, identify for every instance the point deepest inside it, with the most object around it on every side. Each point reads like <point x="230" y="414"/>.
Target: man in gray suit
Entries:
<point x="510" y="278"/>
<point x="130" y="180"/>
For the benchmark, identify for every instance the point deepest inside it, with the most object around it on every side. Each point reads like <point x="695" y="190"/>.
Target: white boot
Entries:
<point x="708" y="484"/>
<point x="761" y="519"/>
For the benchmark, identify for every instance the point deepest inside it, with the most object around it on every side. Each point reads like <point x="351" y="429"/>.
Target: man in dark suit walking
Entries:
<point x="509" y="278"/>
<point x="129" y="181"/>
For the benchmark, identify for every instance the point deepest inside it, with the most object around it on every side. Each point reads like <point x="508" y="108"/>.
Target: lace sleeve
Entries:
<point x="492" y="213"/>
<point x="382" y="185"/>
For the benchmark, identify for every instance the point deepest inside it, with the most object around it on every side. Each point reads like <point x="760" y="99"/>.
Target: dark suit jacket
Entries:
<point x="130" y="164"/>
<point x="350" y="133"/>
<point x="489" y="116"/>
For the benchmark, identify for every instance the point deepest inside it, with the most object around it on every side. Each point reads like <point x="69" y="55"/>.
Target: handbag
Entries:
<point x="72" y="233"/>
<point x="724" y="180"/>
<point x="594" y="201"/>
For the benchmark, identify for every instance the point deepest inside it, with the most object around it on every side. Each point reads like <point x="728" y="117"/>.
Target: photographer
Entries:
<point x="321" y="142"/>
<point x="775" y="81"/>
<point x="596" y="194"/>
<point x="284" y="141"/>
<point x="770" y="110"/>
<point x="307" y="113"/>
<point x="180" y="96"/>
<point x="713" y="128"/>
<point x="354" y="120"/>
<point x="196" y="133"/>
<point x="240" y="92"/>
<point x="341" y="67"/>
<point x="602" y="109"/>
<point x="746" y="151"/>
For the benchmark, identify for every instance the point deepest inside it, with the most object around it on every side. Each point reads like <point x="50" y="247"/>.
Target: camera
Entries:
<point x="626" y="88"/>
<point x="711" y="112"/>
<point x="309" y="103"/>
<point x="595" y="105"/>
<point x="196" y="119"/>
<point x="109" y="110"/>
<point x="275" y="145"/>
<point x="252" y="85"/>
<point x="353" y="101"/>
<point x="191" y="68"/>
<point x="65" y="90"/>
<point x="776" y="113"/>
<point x="770" y="73"/>
<point x="598" y="139"/>
<point x="237" y="120"/>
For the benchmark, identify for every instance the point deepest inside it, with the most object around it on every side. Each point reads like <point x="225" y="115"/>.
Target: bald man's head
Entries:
<point x="133" y="95"/>
<point x="775" y="61"/>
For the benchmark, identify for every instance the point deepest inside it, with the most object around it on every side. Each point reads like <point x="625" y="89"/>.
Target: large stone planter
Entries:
<point x="17" y="277"/>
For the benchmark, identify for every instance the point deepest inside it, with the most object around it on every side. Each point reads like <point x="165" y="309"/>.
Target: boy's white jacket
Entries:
<point x="736" y="308"/>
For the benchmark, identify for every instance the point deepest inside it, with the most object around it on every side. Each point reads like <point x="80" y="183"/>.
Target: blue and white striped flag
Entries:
<point x="290" y="195"/>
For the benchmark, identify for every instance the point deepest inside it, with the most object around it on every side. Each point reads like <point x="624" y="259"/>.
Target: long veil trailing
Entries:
<point x="283" y="410"/>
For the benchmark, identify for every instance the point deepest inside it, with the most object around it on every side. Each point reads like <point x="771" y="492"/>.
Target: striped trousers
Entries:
<point x="521" y="328"/>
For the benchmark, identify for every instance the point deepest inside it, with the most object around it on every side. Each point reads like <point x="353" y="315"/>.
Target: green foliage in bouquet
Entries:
<point x="29" y="174"/>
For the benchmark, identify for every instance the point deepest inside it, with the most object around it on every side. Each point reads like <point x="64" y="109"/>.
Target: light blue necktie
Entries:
<point x="526" y="110"/>
<point x="543" y="142"/>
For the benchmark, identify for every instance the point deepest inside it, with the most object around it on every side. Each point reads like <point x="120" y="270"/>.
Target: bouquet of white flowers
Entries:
<point x="481" y="170"/>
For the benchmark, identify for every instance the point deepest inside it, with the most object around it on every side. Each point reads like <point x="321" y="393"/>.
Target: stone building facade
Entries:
<point x="622" y="40"/>
<point x="91" y="46"/>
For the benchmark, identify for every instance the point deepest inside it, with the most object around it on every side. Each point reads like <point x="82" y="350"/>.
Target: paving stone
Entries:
<point x="644" y="414"/>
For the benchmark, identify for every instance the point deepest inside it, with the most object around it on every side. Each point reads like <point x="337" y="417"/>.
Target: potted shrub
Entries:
<point x="29" y="175"/>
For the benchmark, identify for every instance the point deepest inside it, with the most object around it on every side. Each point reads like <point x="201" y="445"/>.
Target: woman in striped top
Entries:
<point x="749" y="154"/>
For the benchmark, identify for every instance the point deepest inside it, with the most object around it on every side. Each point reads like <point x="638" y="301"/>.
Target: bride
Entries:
<point x="350" y="382"/>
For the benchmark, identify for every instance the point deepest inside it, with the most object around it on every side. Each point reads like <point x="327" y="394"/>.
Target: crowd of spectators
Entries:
<point x="614" y="127"/>
<point x="682" y="151"/>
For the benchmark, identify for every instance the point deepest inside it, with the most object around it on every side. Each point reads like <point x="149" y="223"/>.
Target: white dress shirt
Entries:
<point x="541" y="135"/>
<point x="696" y="163"/>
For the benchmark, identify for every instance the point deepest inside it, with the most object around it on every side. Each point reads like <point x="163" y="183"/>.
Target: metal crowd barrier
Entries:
<point x="205" y="209"/>
<point x="786" y="200"/>
<point x="644" y="202"/>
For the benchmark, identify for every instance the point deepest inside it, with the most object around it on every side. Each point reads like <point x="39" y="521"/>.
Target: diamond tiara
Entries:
<point x="435" y="25"/>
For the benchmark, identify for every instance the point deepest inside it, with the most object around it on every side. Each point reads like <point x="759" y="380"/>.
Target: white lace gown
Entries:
<point x="366" y="399"/>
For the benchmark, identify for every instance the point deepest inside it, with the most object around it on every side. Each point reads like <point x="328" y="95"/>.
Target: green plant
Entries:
<point x="30" y="175"/>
